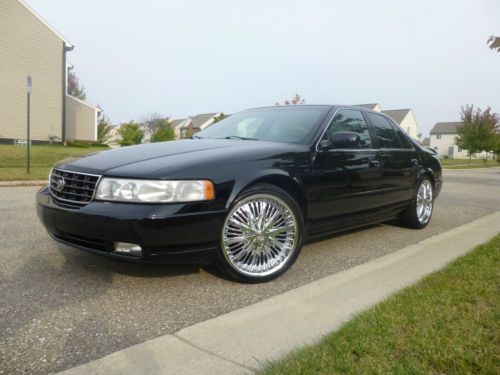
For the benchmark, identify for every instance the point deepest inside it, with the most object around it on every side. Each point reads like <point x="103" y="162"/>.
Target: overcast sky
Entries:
<point x="184" y="57"/>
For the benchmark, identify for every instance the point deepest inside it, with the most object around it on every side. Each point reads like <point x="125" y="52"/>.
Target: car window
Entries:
<point x="386" y="134"/>
<point x="349" y="120"/>
<point x="279" y="124"/>
<point x="402" y="136"/>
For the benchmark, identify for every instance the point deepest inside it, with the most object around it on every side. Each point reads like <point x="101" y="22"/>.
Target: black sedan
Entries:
<point x="244" y="193"/>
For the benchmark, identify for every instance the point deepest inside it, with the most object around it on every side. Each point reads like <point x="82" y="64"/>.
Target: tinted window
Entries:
<point x="296" y="124"/>
<point x="403" y="137"/>
<point x="386" y="135"/>
<point x="349" y="120"/>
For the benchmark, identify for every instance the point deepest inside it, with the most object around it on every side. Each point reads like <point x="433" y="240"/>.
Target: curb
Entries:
<point x="242" y="341"/>
<point x="23" y="183"/>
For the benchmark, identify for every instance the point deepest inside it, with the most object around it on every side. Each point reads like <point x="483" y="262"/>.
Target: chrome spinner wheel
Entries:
<point x="424" y="202"/>
<point x="260" y="235"/>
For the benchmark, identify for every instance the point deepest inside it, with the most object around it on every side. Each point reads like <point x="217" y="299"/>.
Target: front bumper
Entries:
<point x="168" y="233"/>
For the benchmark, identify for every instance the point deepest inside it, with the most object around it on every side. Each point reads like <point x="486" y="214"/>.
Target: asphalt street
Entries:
<point x="61" y="307"/>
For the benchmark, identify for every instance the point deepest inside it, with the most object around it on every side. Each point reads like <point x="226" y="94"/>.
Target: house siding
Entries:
<point x="445" y="147"/>
<point x="29" y="47"/>
<point x="410" y="126"/>
<point x="81" y="120"/>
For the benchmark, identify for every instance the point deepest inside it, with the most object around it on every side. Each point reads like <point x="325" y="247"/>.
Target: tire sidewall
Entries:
<point x="221" y="261"/>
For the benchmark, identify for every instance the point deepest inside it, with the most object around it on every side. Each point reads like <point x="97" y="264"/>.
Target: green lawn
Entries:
<point x="472" y="166"/>
<point x="446" y="162"/>
<point x="449" y="323"/>
<point x="13" y="160"/>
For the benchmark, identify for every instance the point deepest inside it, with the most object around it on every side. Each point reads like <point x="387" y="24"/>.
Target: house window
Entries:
<point x="438" y="136"/>
<point x="459" y="149"/>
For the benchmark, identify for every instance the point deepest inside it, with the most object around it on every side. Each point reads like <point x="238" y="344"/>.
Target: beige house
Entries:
<point x="31" y="47"/>
<point x="442" y="140"/>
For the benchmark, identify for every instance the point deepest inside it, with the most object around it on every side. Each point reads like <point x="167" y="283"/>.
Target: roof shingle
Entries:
<point x="445" y="128"/>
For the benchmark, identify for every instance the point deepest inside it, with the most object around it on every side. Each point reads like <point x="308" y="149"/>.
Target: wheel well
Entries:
<point x="431" y="176"/>
<point x="290" y="186"/>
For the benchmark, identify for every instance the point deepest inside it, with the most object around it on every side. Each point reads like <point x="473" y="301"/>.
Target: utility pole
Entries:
<point x="28" y="138"/>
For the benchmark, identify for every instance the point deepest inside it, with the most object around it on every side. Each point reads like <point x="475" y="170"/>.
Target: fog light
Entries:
<point x="128" y="249"/>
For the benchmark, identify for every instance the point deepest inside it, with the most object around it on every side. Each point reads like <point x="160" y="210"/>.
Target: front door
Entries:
<point x="348" y="180"/>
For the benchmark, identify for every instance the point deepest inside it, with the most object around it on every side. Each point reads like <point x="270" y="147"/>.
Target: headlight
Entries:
<point x="154" y="191"/>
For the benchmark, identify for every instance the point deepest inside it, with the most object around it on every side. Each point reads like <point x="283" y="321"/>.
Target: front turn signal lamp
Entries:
<point x="154" y="191"/>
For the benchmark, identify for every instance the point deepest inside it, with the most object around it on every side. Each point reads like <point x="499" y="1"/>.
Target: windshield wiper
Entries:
<point x="196" y="137"/>
<point x="238" y="137"/>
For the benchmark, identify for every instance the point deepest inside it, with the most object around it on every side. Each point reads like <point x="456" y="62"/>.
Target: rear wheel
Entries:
<point x="419" y="212"/>
<point x="262" y="235"/>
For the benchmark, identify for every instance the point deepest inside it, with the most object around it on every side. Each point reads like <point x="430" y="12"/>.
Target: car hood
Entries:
<point x="164" y="159"/>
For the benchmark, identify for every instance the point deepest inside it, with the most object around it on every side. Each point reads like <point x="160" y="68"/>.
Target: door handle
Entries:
<point x="374" y="163"/>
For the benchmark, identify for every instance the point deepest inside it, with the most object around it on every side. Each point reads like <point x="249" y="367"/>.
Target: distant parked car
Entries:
<point x="244" y="193"/>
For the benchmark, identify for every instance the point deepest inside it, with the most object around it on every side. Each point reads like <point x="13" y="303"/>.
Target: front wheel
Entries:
<point x="419" y="212"/>
<point x="262" y="235"/>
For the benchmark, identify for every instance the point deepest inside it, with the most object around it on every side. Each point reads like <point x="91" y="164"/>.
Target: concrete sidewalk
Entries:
<point x="241" y="341"/>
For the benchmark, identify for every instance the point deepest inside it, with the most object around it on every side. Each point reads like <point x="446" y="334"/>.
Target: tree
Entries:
<point x="164" y="132"/>
<point x="494" y="43"/>
<point x="74" y="87"/>
<point x="478" y="130"/>
<point x="130" y="133"/>
<point x="152" y="123"/>
<point x="103" y="127"/>
<point x="297" y="99"/>
<point x="495" y="146"/>
<point x="219" y="117"/>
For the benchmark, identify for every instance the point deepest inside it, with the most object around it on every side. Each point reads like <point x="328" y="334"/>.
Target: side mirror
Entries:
<point x="343" y="140"/>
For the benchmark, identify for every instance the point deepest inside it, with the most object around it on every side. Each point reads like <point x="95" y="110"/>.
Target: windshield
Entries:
<point x="281" y="124"/>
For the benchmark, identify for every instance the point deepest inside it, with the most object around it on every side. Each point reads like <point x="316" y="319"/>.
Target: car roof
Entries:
<point x="331" y="106"/>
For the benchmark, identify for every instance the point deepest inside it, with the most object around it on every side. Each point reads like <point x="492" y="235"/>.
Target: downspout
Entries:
<point x="64" y="89"/>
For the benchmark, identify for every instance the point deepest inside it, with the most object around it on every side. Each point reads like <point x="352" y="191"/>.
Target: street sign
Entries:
<point x="29" y="84"/>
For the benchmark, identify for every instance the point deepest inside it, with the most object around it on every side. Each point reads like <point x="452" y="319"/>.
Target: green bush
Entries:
<point x="164" y="132"/>
<point x="131" y="134"/>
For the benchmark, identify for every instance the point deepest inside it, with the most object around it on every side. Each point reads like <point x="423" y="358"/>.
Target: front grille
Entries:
<point x="73" y="187"/>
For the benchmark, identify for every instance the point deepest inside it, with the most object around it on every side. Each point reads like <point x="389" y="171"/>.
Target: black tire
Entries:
<point x="410" y="216"/>
<point x="267" y="194"/>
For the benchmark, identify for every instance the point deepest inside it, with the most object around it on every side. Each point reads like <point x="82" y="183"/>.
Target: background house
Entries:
<point x="30" y="46"/>
<point x="442" y="140"/>
<point x="193" y="125"/>
<point x="177" y="125"/>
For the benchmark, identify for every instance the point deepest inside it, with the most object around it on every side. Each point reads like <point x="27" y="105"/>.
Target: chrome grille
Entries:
<point x="77" y="188"/>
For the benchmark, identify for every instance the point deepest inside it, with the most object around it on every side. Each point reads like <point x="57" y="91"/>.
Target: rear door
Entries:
<point x="345" y="181"/>
<point x="400" y="162"/>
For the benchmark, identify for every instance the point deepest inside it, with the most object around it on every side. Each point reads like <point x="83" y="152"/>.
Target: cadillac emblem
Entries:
<point x="60" y="183"/>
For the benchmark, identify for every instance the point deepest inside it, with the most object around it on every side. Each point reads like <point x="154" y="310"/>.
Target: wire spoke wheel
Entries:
<point x="260" y="234"/>
<point x="424" y="202"/>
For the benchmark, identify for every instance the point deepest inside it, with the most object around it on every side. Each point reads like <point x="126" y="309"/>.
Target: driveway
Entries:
<point x="61" y="307"/>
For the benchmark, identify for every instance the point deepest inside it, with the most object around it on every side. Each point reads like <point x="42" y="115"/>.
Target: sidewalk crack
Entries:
<point x="214" y="354"/>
